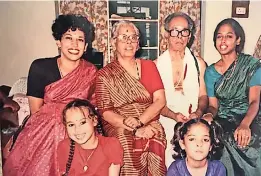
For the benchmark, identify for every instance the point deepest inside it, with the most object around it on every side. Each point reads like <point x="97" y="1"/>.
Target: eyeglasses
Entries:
<point x="124" y="38"/>
<point x="175" y="32"/>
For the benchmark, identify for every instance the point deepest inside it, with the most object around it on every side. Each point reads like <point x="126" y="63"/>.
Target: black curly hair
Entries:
<point x="215" y="133"/>
<point x="79" y="103"/>
<point x="65" y="22"/>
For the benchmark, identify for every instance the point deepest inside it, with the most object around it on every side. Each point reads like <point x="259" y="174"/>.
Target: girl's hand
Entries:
<point x="146" y="132"/>
<point x="131" y="122"/>
<point x="242" y="135"/>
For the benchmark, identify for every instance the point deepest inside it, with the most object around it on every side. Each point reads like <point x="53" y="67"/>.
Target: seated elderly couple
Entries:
<point x="130" y="104"/>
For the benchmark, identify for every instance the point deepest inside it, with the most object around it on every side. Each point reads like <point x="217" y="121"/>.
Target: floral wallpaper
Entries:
<point x="191" y="7"/>
<point x="96" y="12"/>
<point x="257" y="52"/>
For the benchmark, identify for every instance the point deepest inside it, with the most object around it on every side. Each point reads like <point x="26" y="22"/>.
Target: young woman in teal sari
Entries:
<point x="233" y="86"/>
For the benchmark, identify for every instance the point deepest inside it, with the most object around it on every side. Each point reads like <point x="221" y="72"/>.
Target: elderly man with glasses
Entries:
<point x="183" y="77"/>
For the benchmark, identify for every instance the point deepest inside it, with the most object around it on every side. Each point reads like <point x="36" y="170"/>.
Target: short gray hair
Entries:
<point x="117" y="25"/>
<point x="191" y="24"/>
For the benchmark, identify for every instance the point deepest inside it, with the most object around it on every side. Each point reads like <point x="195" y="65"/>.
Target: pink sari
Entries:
<point x="34" y="150"/>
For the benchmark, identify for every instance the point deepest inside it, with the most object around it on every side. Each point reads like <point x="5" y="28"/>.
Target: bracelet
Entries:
<point x="140" y="123"/>
<point x="134" y="131"/>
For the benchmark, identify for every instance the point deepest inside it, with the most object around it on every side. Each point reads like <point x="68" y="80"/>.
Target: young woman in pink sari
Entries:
<point x="52" y="83"/>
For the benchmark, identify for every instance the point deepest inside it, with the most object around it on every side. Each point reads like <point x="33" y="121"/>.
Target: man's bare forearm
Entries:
<point x="168" y="113"/>
<point x="202" y="105"/>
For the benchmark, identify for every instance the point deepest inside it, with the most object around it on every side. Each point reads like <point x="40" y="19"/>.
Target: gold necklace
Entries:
<point x="85" y="167"/>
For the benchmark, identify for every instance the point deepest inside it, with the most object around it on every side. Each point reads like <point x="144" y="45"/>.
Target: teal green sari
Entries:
<point x="232" y="91"/>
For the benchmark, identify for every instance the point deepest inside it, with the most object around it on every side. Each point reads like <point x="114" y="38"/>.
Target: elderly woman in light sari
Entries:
<point x="130" y="96"/>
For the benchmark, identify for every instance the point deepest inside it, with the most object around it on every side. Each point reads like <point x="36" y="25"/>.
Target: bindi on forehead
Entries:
<point x="126" y="28"/>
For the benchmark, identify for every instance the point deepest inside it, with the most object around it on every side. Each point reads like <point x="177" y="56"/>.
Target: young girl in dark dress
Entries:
<point x="195" y="143"/>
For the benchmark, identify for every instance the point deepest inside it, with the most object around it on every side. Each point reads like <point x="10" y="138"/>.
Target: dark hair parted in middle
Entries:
<point x="215" y="134"/>
<point x="79" y="103"/>
<point x="237" y="28"/>
<point x="65" y="22"/>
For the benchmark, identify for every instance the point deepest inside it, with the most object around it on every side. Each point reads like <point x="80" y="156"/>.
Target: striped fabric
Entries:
<point x="116" y="90"/>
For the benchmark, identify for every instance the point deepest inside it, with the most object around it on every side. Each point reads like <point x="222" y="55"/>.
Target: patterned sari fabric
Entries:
<point x="232" y="92"/>
<point x="121" y="93"/>
<point x="34" y="151"/>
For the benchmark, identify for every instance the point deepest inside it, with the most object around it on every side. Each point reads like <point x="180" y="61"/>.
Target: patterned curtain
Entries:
<point x="191" y="7"/>
<point x="257" y="52"/>
<point x="96" y="12"/>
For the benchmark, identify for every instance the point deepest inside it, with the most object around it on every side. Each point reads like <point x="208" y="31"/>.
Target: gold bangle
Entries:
<point x="134" y="131"/>
<point x="140" y="123"/>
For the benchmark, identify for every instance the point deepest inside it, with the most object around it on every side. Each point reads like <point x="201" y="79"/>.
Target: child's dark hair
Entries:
<point x="215" y="133"/>
<point x="79" y="103"/>
<point x="65" y="22"/>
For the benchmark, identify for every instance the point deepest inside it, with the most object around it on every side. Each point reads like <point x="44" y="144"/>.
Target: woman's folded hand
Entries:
<point x="147" y="132"/>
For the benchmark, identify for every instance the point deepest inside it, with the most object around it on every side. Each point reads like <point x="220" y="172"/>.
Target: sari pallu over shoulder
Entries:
<point x="81" y="81"/>
<point x="128" y="97"/>
<point x="34" y="150"/>
<point x="233" y="87"/>
<point x="232" y="91"/>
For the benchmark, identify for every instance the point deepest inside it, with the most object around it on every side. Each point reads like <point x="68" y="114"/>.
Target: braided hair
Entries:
<point x="79" y="103"/>
<point x="215" y="133"/>
<point x="70" y="158"/>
